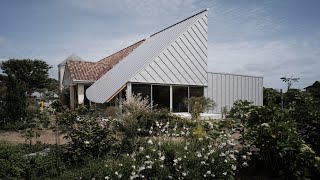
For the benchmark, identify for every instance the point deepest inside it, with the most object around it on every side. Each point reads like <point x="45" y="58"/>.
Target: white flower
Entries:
<point x="225" y="173"/>
<point x="150" y="132"/>
<point x="120" y="164"/>
<point x="147" y="157"/>
<point x="184" y="174"/>
<point x="200" y="139"/>
<point x="186" y="148"/>
<point x="249" y="153"/>
<point x="222" y="154"/>
<point x="244" y="157"/>
<point x="265" y="125"/>
<point x="225" y="160"/>
<point x="133" y="166"/>
<point x="141" y="148"/>
<point x="150" y="142"/>
<point x="86" y="142"/>
<point x="138" y="129"/>
<point x="107" y="177"/>
<point x="116" y="173"/>
<point x="175" y="160"/>
<point x="245" y="164"/>
<point x="161" y="166"/>
<point x="162" y="158"/>
<point x="119" y="176"/>
<point x="208" y="172"/>
<point x="203" y="162"/>
<point x="233" y="167"/>
<point x="232" y="157"/>
<point x="170" y="177"/>
<point x="199" y="154"/>
<point x="141" y="168"/>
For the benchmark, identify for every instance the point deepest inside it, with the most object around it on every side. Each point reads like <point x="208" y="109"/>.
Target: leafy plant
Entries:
<point x="198" y="105"/>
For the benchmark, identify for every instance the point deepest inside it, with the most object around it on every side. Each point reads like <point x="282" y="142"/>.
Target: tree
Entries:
<point x="3" y="88"/>
<point x="289" y="81"/>
<point x="314" y="90"/>
<point x="23" y="77"/>
<point x="31" y="74"/>
<point x="16" y="102"/>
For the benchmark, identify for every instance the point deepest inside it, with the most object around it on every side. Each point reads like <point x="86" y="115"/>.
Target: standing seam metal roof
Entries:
<point x="105" y="87"/>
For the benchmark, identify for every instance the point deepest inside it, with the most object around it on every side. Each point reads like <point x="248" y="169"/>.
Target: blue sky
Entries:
<point x="269" y="38"/>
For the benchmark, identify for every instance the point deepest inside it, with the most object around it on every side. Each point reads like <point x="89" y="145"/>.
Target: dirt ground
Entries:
<point x="47" y="137"/>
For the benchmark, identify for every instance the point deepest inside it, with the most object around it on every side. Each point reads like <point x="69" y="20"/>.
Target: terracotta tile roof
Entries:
<point x="92" y="71"/>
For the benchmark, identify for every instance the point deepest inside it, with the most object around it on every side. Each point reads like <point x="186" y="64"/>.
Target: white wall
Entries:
<point x="225" y="89"/>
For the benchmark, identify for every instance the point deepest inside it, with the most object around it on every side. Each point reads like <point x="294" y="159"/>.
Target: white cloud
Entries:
<point x="270" y="59"/>
<point x="140" y="7"/>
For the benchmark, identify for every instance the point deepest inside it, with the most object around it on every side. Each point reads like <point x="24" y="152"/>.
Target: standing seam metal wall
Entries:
<point x="225" y="89"/>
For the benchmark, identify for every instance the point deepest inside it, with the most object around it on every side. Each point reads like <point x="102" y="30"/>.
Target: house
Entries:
<point x="167" y="67"/>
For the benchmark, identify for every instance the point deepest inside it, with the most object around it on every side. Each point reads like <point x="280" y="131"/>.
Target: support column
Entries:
<point x="72" y="97"/>
<point x="80" y="94"/>
<point x="171" y="99"/>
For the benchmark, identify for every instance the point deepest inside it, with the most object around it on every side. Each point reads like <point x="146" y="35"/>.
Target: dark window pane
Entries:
<point x="161" y="96"/>
<point x="144" y="89"/>
<point x="179" y="93"/>
<point x="196" y="91"/>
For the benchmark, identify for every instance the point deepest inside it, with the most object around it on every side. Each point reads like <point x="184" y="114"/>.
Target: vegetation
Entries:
<point x="136" y="141"/>
<point x="22" y="77"/>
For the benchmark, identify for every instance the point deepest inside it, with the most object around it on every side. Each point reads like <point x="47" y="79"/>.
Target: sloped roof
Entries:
<point x="110" y="83"/>
<point x="91" y="71"/>
<point x="72" y="57"/>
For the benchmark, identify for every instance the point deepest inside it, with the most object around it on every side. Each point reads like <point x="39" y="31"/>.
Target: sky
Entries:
<point x="269" y="38"/>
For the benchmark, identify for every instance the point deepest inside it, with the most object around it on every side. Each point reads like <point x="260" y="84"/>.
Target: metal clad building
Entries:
<point x="226" y="88"/>
<point x="135" y="67"/>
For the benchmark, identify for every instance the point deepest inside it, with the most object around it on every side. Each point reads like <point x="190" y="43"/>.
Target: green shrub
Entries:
<point x="14" y="164"/>
<point x="274" y="133"/>
<point x="198" y="105"/>
<point x="90" y="137"/>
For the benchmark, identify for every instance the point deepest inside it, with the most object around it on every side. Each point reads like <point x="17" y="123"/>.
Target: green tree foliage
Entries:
<point x="3" y="88"/>
<point x="23" y="77"/>
<point x="31" y="74"/>
<point x="271" y="96"/>
<point x="16" y="102"/>
<point x="314" y="90"/>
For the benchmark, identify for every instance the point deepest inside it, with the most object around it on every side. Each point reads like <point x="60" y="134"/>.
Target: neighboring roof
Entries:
<point x="91" y="71"/>
<point x="72" y="57"/>
<point x="110" y="83"/>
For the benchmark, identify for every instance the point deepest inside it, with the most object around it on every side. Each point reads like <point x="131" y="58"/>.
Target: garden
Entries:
<point x="140" y="142"/>
<point x="279" y="140"/>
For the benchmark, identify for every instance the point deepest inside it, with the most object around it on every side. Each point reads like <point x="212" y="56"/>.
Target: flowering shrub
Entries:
<point x="90" y="136"/>
<point x="173" y="154"/>
<point x="274" y="133"/>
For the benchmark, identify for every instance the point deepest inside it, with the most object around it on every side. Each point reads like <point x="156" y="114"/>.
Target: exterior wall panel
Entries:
<point x="225" y="89"/>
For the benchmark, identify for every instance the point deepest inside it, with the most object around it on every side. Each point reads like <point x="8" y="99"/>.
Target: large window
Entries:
<point x="143" y="89"/>
<point x="196" y="91"/>
<point x="161" y="96"/>
<point x="179" y="93"/>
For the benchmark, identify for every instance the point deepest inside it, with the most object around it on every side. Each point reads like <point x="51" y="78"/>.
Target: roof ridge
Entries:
<point x="179" y="22"/>
<point x="120" y="50"/>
